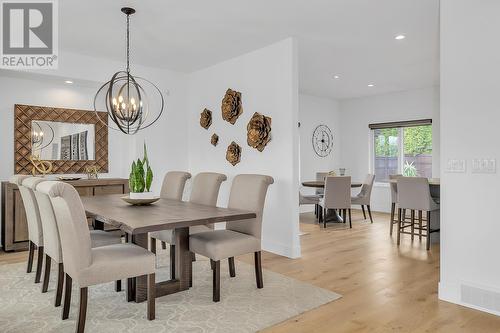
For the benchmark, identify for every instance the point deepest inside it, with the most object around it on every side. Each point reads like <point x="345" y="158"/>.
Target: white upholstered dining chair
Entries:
<point x="248" y="192"/>
<point x="52" y="247"/>
<point x="172" y="188"/>
<point x="89" y="266"/>
<point x="394" y="201"/>
<point x="414" y="194"/>
<point x="337" y="196"/>
<point x="35" y="232"/>
<point x="204" y="191"/>
<point x="173" y="185"/>
<point x="364" y="196"/>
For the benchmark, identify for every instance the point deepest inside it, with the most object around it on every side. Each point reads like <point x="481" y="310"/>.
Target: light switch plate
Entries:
<point x="456" y="166"/>
<point x="484" y="165"/>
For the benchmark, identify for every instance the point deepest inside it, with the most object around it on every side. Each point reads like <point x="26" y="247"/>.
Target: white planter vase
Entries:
<point x="144" y="195"/>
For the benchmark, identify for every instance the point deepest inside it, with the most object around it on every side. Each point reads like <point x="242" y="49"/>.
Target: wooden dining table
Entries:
<point x="138" y="221"/>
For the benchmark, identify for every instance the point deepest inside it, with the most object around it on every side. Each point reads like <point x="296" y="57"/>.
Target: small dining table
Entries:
<point x="332" y="215"/>
<point x="138" y="221"/>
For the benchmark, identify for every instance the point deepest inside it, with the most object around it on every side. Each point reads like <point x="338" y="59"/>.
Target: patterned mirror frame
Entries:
<point x="25" y="114"/>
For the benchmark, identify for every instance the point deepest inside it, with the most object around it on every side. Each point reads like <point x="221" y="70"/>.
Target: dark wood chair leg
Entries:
<point x="68" y="284"/>
<point x="39" y="265"/>
<point x="420" y="225"/>
<point x="118" y="286"/>
<point x="344" y="214"/>
<point x="369" y="213"/>
<point x="60" y="283"/>
<point x="151" y="312"/>
<point x="363" y="209"/>
<point x="163" y="245"/>
<point x="82" y="313"/>
<point x="412" y="214"/>
<point x="46" y="274"/>
<point x="130" y="290"/>
<point x="191" y="270"/>
<point x="216" y="282"/>
<point x="172" y="262"/>
<point x="30" y="257"/>
<point x="258" y="270"/>
<point x="232" y="269"/>
<point x="324" y="217"/>
<point x="393" y="212"/>
<point x="152" y="245"/>
<point x="350" y="219"/>
<point x="428" y="241"/>
<point x="399" y="226"/>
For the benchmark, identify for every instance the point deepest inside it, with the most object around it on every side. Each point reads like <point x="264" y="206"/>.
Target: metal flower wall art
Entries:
<point x="206" y="118"/>
<point x="233" y="153"/>
<point x="231" y="106"/>
<point x="214" y="140"/>
<point x="259" y="131"/>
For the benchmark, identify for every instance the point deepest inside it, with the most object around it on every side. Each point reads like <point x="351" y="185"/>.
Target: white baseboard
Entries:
<point x="450" y="292"/>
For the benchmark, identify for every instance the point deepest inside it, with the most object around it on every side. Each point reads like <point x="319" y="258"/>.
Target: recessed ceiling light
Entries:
<point x="371" y="85"/>
<point x="336" y="77"/>
<point x="68" y="82"/>
<point x="400" y="37"/>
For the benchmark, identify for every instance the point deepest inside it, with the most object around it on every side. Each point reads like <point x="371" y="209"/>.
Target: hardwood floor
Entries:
<point x="385" y="289"/>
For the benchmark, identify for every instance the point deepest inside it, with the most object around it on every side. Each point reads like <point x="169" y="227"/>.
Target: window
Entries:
<point x="402" y="148"/>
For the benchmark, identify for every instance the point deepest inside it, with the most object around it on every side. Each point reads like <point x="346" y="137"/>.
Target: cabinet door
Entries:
<point x="20" y="221"/>
<point x="110" y="189"/>
<point x="85" y="191"/>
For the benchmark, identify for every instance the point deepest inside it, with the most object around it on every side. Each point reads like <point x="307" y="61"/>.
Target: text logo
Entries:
<point x="29" y="34"/>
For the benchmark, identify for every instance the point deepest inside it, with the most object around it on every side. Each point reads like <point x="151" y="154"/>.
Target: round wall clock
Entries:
<point x="322" y="140"/>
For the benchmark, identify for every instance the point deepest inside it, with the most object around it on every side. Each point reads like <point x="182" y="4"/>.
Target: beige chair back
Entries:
<point x="366" y="190"/>
<point x="337" y="192"/>
<point x="35" y="231"/>
<point x="414" y="193"/>
<point x="205" y="188"/>
<point x="173" y="185"/>
<point x="72" y="225"/>
<point x="320" y="176"/>
<point x="394" y="188"/>
<point x="52" y="242"/>
<point x="248" y="192"/>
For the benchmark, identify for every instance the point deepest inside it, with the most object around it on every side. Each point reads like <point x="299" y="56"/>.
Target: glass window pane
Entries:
<point x="386" y="146"/>
<point x="417" y="151"/>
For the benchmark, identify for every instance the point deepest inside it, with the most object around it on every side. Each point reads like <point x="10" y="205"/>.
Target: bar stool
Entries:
<point x="414" y="194"/>
<point x="394" y="201"/>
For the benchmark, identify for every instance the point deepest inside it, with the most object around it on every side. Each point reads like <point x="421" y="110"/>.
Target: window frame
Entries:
<point x="401" y="127"/>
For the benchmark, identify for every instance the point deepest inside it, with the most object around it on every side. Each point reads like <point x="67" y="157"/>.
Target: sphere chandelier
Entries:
<point x="125" y="99"/>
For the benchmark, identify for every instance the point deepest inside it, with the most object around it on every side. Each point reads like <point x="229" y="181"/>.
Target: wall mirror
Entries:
<point x="71" y="139"/>
<point x="54" y="140"/>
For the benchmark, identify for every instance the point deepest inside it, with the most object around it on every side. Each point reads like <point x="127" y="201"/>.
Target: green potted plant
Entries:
<point x="141" y="178"/>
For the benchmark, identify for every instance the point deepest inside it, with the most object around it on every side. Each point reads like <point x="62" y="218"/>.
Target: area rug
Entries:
<point x="243" y="307"/>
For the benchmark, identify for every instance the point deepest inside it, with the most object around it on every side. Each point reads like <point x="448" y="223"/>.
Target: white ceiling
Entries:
<point x="351" y="38"/>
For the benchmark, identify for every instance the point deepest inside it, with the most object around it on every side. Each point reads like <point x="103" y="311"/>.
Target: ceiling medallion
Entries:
<point x="128" y="99"/>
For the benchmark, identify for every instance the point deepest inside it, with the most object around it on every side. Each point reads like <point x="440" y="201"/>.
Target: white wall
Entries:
<point x="268" y="81"/>
<point x="167" y="139"/>
<point x="314" y="111"/>
<point x="356" y="114"/>
<point x="470" y="121"/>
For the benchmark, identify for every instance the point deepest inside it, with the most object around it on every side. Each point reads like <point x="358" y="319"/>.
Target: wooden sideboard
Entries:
<point x="14" y="225"/>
